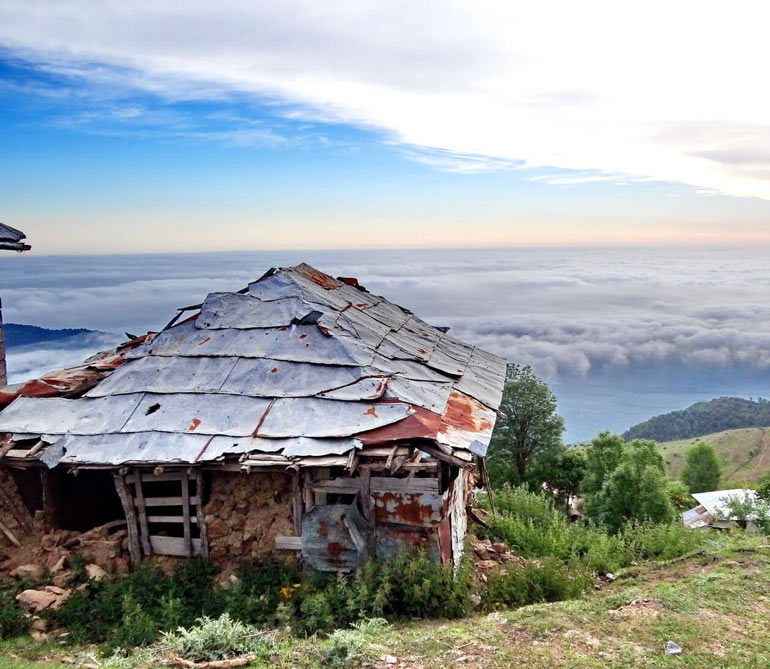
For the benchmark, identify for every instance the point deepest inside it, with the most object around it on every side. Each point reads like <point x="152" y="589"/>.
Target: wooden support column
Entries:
<point x="199" y="513"/>
<point x="141" y="511"/>
<point x="134" y="547"/>
<point x="296" y="503"/>
<point x="367" y="509"/>
<point x="186" y="527"/>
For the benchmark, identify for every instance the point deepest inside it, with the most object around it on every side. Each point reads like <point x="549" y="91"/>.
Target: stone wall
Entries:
<point x="13" y="513"/>
<point x="245" y="513"/>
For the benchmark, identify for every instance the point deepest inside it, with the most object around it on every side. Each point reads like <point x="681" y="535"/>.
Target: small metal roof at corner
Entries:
<point x="11" y="239"/>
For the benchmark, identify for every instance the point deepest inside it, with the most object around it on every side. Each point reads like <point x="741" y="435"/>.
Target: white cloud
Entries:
<point x="653" y="90"/>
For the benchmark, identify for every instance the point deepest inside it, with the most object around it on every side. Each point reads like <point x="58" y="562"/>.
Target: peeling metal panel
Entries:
<point x="311" y="417"/>
<point x="56" y="415"/>
<point x="309" y="446"/>
<point x="417" y="509"/>
<point x="234" y="310"/>
<point x="426" y="394"/>
<point x="116" y="449"/>
<point x="409" y="369"/>
<point x="298" y="343"/>
<point x="457" y="514"/>
<point x="371" y="388"/>
<point x="466" y="421"/>
<point x="327" y="543"/>
<point x="211" y="414"/>
<point x="390" y="539"/>
<point x="159" y="374"/>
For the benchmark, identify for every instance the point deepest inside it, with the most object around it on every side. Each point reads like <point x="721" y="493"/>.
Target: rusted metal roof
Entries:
<point x="298" y="356"/>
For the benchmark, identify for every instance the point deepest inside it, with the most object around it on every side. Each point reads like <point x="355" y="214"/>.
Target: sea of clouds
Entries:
<point x="621" y="334"/>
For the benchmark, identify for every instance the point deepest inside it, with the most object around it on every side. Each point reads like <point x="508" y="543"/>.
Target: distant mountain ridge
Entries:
<point x="17" y="335"/>
<point x="717" y="415"/>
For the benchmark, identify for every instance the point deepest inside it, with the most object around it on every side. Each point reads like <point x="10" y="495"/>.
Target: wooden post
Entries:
<point x="367" y="508"/>
<point x="187" y="530"/>
<point x="134" y="547"/>
<point x="199" y="513"/>
<point x="144" y="530"/>
<point x="296" y="503"/>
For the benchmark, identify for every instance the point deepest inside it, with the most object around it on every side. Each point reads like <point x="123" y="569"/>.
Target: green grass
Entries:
<point x="714" y="603"/>
<point x="745" y="454"/>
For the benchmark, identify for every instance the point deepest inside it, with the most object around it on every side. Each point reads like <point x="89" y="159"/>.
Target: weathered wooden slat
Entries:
<point x="166" y="501"/>
<point x="134" y="547"/>
<point x="173" y="546"/>
<point x="11" y="536"/>
<point x="288" y="543"/>
<point x="170" y="519"/>
<point x="187" y="528"/>
<point x="141" y="509"/>
<point x="17" y="453"/>
<point x="150" y="477"/>
<point x="347" y="486"/>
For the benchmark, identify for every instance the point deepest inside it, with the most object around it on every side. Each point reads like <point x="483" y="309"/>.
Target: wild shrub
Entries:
<point x="347" y="648"/>
<point x="218" y="639"/>
<point x="664" y="542"/>
<point x="546" y="580"/>
<point x="12" y="621"/>
<point x="136" y="628"/>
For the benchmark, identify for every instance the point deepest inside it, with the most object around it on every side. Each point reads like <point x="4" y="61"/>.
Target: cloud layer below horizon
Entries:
<point x="607" y="90"/>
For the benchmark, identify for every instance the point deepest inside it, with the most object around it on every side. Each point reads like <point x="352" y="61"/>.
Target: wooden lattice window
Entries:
<point x="164" y="512"/>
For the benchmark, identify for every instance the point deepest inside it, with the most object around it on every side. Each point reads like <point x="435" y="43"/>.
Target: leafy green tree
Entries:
<point x="531" y="427"/>
<point x="702" y="470"/>
<point x="679" y="495"/>
<point x="763" y="488"/>
<point x="560" y="470"/>
<point x="637" y="490"/>
<point x="602" y="457"/>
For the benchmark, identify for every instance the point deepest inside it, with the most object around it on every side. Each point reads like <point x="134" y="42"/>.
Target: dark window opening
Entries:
<point x="87" y="500"/>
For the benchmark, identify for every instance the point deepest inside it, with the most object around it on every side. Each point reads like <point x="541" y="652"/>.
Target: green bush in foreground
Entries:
<point x="217" y="639"/>
<point x="546" y="580"/>
<point x="12" y="622"/>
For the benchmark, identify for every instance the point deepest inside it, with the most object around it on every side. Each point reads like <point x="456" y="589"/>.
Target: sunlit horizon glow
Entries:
<point x="293" y="124"/>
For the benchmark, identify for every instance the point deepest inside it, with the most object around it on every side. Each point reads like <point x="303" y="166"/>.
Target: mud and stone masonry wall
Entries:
<point x="245" y="513"/>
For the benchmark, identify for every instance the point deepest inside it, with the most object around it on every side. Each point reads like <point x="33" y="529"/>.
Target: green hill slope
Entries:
<point x="722" y="413"/>
<point x="745" y="454"/>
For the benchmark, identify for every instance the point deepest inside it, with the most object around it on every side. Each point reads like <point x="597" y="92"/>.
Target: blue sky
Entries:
<point x="287" y="126"/>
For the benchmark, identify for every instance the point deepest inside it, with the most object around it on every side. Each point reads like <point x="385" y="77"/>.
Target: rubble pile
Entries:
<point x="246" y="512"/>
<point x="15" y="521"/>
<point x="48" y="551"/>
<point x="489" y="556"/>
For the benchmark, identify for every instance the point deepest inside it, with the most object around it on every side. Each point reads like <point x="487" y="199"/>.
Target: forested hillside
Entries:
<point x="722" y="413"/>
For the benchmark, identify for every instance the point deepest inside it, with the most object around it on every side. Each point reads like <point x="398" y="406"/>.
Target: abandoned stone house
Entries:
<point x="302" y="415"/>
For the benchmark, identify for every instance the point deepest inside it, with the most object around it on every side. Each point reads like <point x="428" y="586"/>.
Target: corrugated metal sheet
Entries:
<point x="310" y="417"/>
<point x="244" y="366"/>
<point x="327" y="543"/>
<point x="297" y="343"/>
<point x="279" y="378"/>
<point x="159" y="374"/>
<point x="56" y="415"/>
<point x="233" y="310"/>
<point x="418" y="509"/>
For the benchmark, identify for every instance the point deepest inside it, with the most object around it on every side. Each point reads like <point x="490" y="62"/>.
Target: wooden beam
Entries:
<point x="170" y="519"/>
<point x="144" y="530"/>
<point x="288" y="543"/>
<point x="11" y="536"/>
<point x="165" y="501"/>
<point x="173" y="546"/>
<point x="296" y="503"/>
<point x="187" y="529"/>
<point x="134" y="547"/>
<point x="198" y="497"/>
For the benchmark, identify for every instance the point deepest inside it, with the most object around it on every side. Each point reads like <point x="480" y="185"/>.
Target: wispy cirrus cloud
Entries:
<point x="645" y="90"/>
